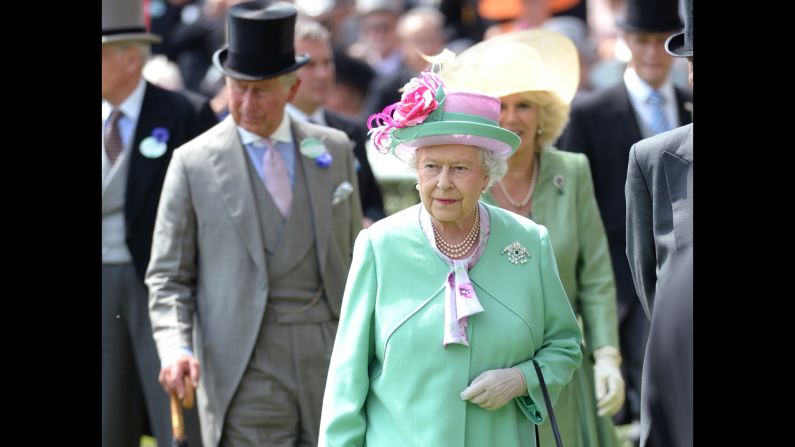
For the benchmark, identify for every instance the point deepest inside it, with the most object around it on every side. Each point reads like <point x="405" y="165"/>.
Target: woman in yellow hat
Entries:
<point x="535" y="74"/>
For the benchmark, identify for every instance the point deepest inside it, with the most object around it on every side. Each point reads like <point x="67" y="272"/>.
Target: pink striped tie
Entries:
<point x="113" y="144"/>
<point x="276" y="179"/>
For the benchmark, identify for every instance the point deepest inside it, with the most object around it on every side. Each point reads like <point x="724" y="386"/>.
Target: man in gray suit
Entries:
<point x="659" y="193"/>
<point x="252" y="246"/>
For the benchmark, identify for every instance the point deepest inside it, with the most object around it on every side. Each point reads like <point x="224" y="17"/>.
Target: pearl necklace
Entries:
<point x="462" y="248"/>
<point x="526" y="199"/>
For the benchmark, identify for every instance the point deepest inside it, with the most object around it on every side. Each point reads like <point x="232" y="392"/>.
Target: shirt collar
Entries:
<point x="282" y="132"/>
<point x="639" y="90"/>
<point x="299" y="115"/>
<point x="131" y="107"/>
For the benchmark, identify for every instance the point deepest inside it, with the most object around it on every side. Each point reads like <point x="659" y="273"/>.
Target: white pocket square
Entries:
<point x="341" y="193"/>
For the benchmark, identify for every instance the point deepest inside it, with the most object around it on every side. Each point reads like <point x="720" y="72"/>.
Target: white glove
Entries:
<point x="608" y="380"/>
<point x="496" y="387"/>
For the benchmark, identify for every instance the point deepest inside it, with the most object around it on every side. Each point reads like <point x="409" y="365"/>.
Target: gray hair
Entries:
<point x="288" y="80"/>
<point x="494" y="165"/>
<point x="306" y="29"/>
<point x="144" y="49"/>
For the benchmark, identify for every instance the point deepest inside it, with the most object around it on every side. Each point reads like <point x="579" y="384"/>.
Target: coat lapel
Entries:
<point x="625" y="114"/>
<point x="319" y="190"/>
<point x="226" y="155"/>
<point x="144" y="171"/>
<point x="679" y="182"/>
<point x="684" y="107"/>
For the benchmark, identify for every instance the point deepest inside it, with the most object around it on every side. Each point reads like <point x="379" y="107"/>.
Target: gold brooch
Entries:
<point x="517" y="253"/>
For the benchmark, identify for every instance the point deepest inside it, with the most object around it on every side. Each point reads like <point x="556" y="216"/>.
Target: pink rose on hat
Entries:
<point x="418" y="100"/>
<point x="416" y="103"/>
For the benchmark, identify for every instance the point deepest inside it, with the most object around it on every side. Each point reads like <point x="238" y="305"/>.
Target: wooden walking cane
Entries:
<point x="177" y="421"/>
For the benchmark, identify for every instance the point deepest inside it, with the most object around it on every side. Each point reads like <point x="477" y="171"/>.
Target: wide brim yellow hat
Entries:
<point x="522" y="61"/>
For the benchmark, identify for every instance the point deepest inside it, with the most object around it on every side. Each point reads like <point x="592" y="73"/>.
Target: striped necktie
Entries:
<point x="113" y="144"/>
<point x="659" y="122"/>
<point x="277" y="180"/>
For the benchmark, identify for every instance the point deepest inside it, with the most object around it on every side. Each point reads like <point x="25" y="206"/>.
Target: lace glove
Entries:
<point x="496" y="387"/>
<point x="608" y="380"/>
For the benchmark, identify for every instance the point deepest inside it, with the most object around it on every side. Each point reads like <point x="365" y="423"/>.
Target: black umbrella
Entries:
<point x="177" y="421"/>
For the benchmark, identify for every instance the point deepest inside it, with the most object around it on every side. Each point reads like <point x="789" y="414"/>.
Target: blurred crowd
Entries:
<point x="377" y="43"/>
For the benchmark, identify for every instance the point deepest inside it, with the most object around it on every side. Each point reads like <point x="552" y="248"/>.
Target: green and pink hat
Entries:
<point x="427" y="115"/>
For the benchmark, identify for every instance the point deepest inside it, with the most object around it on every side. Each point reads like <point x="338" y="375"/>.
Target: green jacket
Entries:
<point x="564" y="203"/>
<point x="391" y="383"/>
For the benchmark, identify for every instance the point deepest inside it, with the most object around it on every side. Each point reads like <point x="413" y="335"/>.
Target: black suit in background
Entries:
<point x="369" y="191"/>
<point x="130" y="364"/>
<point x="385" y="90"/>
<point x="185" y="119"/>
<point x="604" y="127"/>
<point x="668" y="372"/>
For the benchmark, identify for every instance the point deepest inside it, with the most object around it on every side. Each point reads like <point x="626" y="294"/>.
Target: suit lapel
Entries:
<point x="319" y="192"/>
<point x="684" y="106"/>
<point x="144" y="171"/>
<point x="679" y="182"/>
<point x="226" y="155"/>
<point x="677" y="164"/>
<point x="626" y="117"/>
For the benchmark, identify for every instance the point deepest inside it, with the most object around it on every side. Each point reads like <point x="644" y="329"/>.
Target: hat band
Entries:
<point x="258" y="64"/>
<point x="482" y="129"/>
<point x="455" y="116"/>
<point x="131" y="30"/>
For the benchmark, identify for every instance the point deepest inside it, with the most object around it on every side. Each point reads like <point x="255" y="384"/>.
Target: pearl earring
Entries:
<point x="417" y="186"/>
<point x="539" y="131"/>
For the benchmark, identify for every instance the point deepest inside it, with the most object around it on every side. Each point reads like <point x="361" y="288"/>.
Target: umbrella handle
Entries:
<point x="177" y="421"/>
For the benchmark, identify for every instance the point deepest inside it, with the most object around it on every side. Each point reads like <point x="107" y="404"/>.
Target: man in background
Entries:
<point x="142" y="125"/>
<point x="317" y="81"/>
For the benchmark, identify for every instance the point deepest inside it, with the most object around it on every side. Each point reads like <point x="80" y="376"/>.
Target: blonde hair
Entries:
<point x="553" y="115"/>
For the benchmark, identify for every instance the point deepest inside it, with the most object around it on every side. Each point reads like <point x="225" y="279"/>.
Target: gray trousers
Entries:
<point x="130" y="366"/>
<point x="280" y="396"/>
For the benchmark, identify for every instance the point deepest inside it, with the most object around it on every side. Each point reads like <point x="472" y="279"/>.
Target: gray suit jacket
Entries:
<point x="208" y="269"/>
<point x="659" y="193"/>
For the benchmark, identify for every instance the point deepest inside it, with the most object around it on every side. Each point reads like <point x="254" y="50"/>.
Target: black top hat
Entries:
<point x="651" y="16"/>
<point x="681" y="45"/>
<point x="260" y="42"/>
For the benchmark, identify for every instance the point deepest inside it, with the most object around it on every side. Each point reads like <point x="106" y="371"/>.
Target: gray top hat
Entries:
<point x="123" y="21"/>
<point x="681" y="44"/>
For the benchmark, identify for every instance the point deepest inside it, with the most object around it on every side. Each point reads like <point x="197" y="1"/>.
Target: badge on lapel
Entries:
<point x="314" y="149"/>
<point x="155" y="145"/>
<point x="559" y="181"/>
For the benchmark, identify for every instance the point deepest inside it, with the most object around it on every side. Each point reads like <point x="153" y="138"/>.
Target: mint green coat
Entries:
<point x="570" y="213"/>
<point x="390" y="381"/>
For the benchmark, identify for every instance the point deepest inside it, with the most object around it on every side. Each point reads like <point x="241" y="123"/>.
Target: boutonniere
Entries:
<point x="314" y="149"/>
<point x="155" y="145"/>
<point x="559" y="181"/>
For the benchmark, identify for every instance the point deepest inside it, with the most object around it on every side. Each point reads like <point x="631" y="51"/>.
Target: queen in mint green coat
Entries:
<point x="395" y="377"/>
<point x="391" y="383"/>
